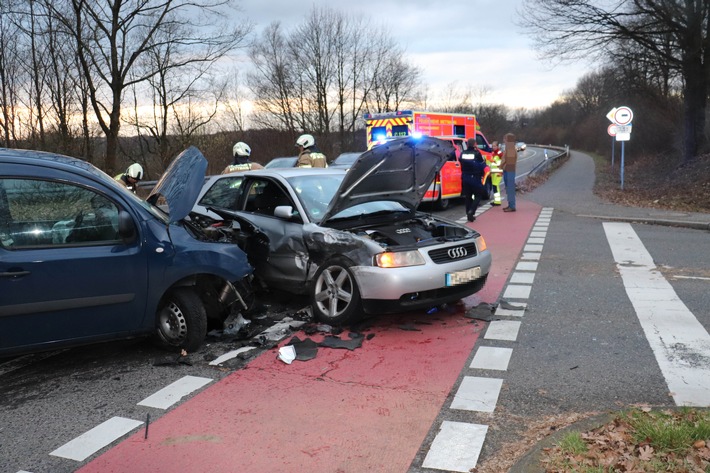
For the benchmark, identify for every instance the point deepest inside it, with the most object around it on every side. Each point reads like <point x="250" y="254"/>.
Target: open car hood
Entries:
<point x="400" y="170"/>
<point x="181" y="183"/>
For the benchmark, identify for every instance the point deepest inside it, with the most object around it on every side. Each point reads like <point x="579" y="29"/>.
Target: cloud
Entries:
<point x="472" y="43"/>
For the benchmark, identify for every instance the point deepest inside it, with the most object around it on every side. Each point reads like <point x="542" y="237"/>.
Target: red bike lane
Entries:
<point x="343" y="411"/>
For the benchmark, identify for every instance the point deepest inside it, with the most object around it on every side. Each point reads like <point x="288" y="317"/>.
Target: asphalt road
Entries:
<point x="581" y="346"/>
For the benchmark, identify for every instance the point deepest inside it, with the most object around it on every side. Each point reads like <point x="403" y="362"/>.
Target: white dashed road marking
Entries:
<point x="95" y="439"/>
<point x="172" y="393"/>
<point x="458" y="445"/>
<point x="679" y="342"/>
<point x="492" y="358"/>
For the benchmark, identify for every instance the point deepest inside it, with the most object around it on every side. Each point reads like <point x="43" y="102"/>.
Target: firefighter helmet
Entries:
<point x="306" y="141"/>
<point x="135" y="171"/>
<point x="241" y="149"/>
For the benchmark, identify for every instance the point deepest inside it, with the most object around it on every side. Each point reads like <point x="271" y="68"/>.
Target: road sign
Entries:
<point x="610" y="115"/>
<point x="623" y="116"/>
<point x="611" y="130"/>
<point x="621" y="129"/>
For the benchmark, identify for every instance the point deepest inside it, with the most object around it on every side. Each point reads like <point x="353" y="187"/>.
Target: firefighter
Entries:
<point x="241" y="152"/>
<point x="496" y="172"/>
<point x="308" y="154"/>
<point x="474" y="173"/>
<point x="130" y="178"/>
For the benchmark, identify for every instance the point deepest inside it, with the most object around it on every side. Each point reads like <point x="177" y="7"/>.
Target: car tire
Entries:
<point x="182" y="320"/>
<point x="335" y="296"/>
<point x="443" y="204"/>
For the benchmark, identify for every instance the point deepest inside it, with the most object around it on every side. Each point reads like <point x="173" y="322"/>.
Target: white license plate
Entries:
<point x="463" y="276"/>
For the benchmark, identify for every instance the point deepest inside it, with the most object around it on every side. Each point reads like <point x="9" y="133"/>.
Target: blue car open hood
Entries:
<point x="400" y="170"/>
<point x="180" y="184"/>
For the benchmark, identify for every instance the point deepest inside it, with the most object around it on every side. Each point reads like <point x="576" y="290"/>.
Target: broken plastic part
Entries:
<point x="234" y="323"/>
<point x="287" y="354"/>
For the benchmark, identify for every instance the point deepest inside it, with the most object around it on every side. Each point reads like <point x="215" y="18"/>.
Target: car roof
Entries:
<point x="50" y="160"/>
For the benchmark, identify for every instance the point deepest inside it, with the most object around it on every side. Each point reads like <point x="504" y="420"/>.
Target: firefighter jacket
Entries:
<point x="242" y="167"/>
<point x="309" y="158"/>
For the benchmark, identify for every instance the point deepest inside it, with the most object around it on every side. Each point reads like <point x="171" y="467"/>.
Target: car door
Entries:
<point x="65" y="274"/>
<point x="451" y="173"/>
<point x="288" y="256"/>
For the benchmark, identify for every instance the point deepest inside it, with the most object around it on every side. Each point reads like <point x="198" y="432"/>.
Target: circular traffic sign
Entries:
<point x="623" y="116"/>
<point x="611" y="130"/>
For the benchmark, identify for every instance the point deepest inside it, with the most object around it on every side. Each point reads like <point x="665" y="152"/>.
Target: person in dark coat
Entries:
<point x="474" y="172"/>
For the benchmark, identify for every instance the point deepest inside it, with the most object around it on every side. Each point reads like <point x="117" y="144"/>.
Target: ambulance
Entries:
<point x="454" y="127"/>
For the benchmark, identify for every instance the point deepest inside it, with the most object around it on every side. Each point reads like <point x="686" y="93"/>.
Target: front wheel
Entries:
<point x="182" y="320"/>
<point x="334" y="294"/>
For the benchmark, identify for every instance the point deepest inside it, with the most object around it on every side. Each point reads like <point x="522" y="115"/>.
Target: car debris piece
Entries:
<point x="337" y="342"/>
<point x="482" y="312"/>
<point x="287" y="354"/>
<point x="234" y="323"/>
<point x="305" y="349"/>
<point x="229" y="355"/>
<point x="508" y="306"/>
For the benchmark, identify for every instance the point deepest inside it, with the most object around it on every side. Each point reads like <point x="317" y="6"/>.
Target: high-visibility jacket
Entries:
<point x="241" y="167"/>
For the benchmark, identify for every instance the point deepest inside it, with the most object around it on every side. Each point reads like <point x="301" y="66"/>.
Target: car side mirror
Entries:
<point x="126" y="226"/>
<point x="284" y="211"/>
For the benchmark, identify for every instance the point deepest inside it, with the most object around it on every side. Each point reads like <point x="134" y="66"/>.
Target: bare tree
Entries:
<point x="670" y="32"/>
<point x="273" y="80"/>
<point x="112" y="36"/>
<point x="9" y="70"/>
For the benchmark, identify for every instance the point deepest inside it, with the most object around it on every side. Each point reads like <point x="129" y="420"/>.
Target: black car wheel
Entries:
<point x="182" y="320"/>
<point x="335" y="295"/>
<point x="443" y="204"/>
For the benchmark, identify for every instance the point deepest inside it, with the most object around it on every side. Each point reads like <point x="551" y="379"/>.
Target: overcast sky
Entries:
<point x="474" y="43"/>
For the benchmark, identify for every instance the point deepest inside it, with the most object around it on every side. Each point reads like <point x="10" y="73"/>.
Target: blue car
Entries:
<point x="84" y="260"/>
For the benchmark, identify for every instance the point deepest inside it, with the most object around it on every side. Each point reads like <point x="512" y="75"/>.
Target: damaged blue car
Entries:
<point x="83" y="260"/>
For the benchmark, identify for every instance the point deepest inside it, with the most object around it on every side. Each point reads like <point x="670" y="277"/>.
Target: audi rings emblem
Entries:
<point x="458" y="252"/>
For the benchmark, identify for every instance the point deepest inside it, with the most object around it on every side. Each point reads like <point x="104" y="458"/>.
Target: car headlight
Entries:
<point x="399" y="259"/>
<point x="481" y="244"/>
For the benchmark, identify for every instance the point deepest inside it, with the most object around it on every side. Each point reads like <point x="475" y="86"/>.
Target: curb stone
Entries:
<point x="530" y="462"/>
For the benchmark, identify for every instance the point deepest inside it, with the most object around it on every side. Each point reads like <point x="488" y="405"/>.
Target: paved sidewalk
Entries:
<point x="569" y="189"/>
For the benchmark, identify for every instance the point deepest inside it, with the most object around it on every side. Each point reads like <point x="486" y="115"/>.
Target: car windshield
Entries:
<point x="285" y="162"/>
<point x="316" y="192"/>
<point x="346" y="158"/>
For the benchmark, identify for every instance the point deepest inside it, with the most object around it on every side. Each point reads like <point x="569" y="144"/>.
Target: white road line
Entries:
<point x="95" y="439"/>
<point x="535" y="256"/>
<point x="172" y="393"/>
<point x="532" y="248"/>
<point x="477" y="394"/>
<point x="526" y="266"/>
<point x="679" y="342"/>
<point x="503" y="330"/>
<point x="492" y="358"/>
<point x="456" y="447"/>
<point x="517" y="291"/>
<point x="229" y="355"/>
<point x="692" y="277"/>
<point x="536" y="240"/>
<point x="519" y="312"/>
<point x="522" y="277"/>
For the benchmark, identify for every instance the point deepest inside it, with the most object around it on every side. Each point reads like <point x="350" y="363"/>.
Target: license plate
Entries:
<point x="463" y="276"/>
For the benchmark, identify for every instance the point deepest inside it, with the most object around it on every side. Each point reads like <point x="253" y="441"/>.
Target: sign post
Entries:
<point x="621" y="117"/>
<point x="612" y="132"/>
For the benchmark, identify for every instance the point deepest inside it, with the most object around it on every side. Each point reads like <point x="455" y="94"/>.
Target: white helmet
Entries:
<point x="241" y="149"/>
<point x="306" y="141"/>
<point x="135" y="171"/>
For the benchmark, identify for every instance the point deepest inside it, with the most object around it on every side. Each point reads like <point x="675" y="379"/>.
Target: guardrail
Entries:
<point x="559" y="151"/>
